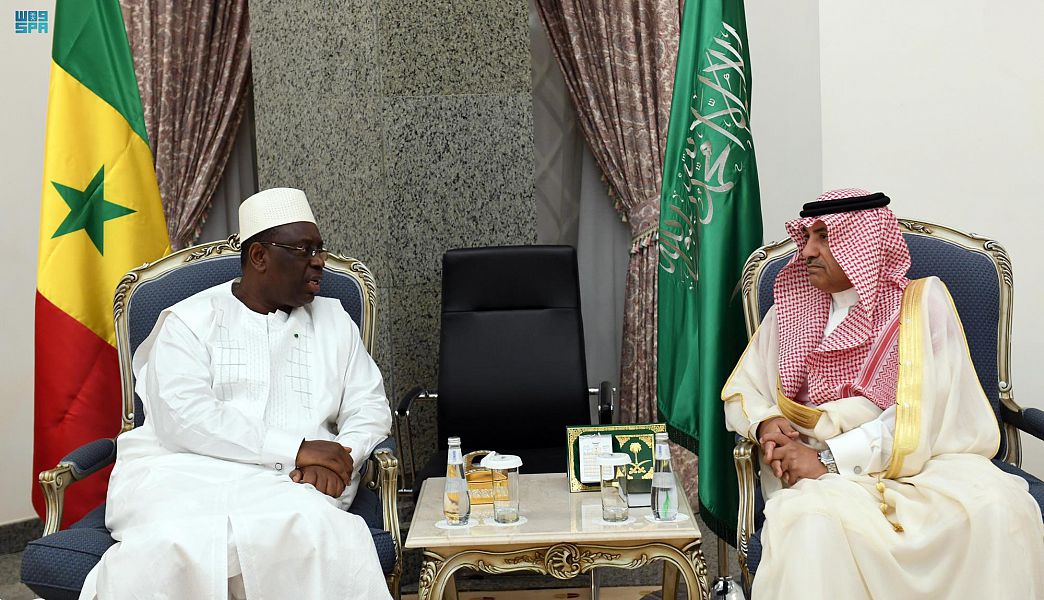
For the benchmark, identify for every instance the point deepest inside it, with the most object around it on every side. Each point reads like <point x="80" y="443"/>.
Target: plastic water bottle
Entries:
<point x="456" y="505"/>
<point x="664" y="490"/>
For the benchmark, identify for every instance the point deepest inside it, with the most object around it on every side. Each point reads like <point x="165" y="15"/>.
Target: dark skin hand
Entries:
<point x="324" y="480"/>
<point x="772" y="434"/>
<point x="329" y="455"/>
<point x="790" y="460"/>
<point x="798" y="462"/>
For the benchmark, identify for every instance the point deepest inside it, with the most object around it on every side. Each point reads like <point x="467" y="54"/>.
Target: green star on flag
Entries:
<point x="89" y="210"/>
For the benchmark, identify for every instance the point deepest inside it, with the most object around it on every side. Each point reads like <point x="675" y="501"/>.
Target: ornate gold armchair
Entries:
<point x="55" y="565"/>
<point x="978" y="273"/>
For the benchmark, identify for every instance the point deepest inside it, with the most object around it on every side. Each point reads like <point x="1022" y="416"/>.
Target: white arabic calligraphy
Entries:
<point x="710" y="175"/>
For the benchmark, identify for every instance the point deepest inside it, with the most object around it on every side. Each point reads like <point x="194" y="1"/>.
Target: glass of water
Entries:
<point x="503" y="469"/>
<point x="614" y="468"/>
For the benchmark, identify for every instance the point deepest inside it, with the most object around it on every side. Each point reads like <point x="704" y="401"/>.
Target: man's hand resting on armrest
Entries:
<point x="331" y="455"/>
<point x="324" y="480"/>
<point x="775" y="433"/>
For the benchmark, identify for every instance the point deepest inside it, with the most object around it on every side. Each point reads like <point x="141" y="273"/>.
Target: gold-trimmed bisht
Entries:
<point x="908" y="390"/>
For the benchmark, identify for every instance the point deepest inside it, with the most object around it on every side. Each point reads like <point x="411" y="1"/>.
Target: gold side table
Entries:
<point x="563" y="537"/>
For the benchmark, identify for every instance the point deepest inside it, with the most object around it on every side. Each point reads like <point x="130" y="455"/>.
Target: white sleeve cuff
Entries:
<point x="279" y="450"/>
<point x="852" y="452"/>
<point x="359" y="451"/>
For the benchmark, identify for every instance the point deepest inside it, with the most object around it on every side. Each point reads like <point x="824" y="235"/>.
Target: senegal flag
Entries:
<point x="710" y="221"/>
<point x="100" y="216"/>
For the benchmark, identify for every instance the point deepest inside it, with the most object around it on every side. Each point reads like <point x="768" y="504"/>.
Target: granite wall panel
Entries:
<point x="409" y="124"/>
<point x="454" y="47"/>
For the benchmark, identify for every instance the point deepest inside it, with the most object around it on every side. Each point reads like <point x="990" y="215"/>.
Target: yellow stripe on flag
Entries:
<point x="88" y="139"/>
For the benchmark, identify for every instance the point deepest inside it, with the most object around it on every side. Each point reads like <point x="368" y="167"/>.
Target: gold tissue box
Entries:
<point x="480" y="479"/>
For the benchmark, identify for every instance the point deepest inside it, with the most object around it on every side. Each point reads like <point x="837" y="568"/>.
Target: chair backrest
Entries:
<point x="512" y="371"/>
<point x="977" y="272"/>
<point x="145" y="292"/>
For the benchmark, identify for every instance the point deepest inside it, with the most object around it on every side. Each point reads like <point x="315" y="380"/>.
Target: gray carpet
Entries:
<point x="10" y="588"/>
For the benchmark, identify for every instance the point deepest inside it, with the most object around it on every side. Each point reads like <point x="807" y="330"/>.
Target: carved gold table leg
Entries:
<point x="450" y="590"/>
<point x="564" y="561"/>
<point x="670" y="581"/>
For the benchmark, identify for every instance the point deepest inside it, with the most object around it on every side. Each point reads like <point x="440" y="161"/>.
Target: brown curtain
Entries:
<point x="618" y="59"/>
<point x="192" y="60"/>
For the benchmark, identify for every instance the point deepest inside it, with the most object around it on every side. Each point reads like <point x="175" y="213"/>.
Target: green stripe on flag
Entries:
<point x="710" y="221"/>
<point x="90" y="43"/>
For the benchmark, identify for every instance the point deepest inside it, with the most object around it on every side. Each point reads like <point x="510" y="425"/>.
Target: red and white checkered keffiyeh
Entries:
<point x="870" y="249"/>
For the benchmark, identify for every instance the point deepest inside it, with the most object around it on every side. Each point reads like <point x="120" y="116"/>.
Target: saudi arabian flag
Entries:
<point x="710" y="221"/>
<point x="100" y="216"/>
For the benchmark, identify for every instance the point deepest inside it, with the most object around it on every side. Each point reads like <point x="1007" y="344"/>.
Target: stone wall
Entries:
<point x="409" y="125"/>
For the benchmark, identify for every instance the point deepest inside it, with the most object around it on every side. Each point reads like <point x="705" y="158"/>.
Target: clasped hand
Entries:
<point x="326" y="465"/>
<point x="790" y="460"/>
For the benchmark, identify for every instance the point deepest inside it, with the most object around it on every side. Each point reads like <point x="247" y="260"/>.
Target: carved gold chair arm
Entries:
<point x="78" y="464"/>
<point x="53" y="482"/>
<point x="386" y="483"/>
<point x="744" y="456"/>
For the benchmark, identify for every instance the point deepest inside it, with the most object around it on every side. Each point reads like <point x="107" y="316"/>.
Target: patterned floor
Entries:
<point x="619" y="593"/>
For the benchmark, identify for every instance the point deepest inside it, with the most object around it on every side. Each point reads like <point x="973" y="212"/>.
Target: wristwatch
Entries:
<point x="827" y="458"/>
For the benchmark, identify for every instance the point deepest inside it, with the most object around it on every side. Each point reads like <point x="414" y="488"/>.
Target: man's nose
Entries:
<point x="810" y="250"/>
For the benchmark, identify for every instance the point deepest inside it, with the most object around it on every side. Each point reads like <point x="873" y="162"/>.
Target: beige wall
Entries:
<point x="937" y="103"/>
<point x="25" y="61"/>
<point x="940" y="104"/>
<point x="785" y="106"/>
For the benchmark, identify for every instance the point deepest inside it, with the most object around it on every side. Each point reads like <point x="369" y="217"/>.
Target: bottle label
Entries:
<point x="663" y="480"/>
<point x="663" y="452"/>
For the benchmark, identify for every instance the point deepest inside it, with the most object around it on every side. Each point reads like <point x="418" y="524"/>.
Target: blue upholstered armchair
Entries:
<point x="55" y="565"/>
<point x="978" y="273"/>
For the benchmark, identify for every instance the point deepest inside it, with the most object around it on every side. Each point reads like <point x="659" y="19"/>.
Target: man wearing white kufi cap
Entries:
<point x="261" y="404"/>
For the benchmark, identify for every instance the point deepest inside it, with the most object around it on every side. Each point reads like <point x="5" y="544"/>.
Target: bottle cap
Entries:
<point x="614" y="459"/>
<point x="501" y="462"/>
<point x="661" y="436"/>
<point x="454" y="441"/>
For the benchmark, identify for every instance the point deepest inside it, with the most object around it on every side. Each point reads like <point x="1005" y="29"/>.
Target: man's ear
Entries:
<point x="258" y="258"/>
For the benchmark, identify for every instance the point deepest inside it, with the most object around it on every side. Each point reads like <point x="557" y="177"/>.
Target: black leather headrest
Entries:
<point x="509" y="277"/>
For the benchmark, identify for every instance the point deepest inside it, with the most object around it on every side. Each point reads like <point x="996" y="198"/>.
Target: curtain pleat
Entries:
<point x="618" y="58"/>
<point x="192" y="60"/>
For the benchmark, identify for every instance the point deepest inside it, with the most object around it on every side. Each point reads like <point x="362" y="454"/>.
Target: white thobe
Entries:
<point x="200" y="499"/>
<point x="866" y="448"/>
<point x="969" y="529"/>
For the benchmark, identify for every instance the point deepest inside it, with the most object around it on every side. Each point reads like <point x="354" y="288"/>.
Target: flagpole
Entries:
<point x="723" y="559"/>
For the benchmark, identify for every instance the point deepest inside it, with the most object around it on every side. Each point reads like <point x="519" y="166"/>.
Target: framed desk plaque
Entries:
<point x="585" y="442"/>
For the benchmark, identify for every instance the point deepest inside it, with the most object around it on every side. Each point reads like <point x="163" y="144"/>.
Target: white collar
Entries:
<point x="845" y="298"/>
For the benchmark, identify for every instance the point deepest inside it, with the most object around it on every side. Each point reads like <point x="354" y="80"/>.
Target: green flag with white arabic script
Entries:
<point x="710" y="221"/>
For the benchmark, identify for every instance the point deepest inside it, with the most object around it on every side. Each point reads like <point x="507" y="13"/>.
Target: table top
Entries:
<point x="553" y="515"/>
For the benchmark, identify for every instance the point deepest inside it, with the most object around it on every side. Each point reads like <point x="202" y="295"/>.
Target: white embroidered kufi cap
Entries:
<point x="272" y="208"/>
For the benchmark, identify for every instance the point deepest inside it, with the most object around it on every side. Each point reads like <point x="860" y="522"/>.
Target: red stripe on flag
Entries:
<point x="77" y="401"/>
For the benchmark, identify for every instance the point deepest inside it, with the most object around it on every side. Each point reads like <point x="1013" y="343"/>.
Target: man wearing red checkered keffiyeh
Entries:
<point x="875" y="434"/>
<point x="872" y="254"/>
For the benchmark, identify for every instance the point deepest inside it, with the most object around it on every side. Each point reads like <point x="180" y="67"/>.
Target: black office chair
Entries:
<point x="512" y="369"/>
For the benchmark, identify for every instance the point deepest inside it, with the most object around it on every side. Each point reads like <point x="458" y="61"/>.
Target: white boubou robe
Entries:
<point x="200" y="500"/>
<point x="969" y="530"/>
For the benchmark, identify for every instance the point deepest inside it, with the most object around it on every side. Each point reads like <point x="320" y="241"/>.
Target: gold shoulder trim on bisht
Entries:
<point x="908" y="391"/>
<point x="798" y="414"/>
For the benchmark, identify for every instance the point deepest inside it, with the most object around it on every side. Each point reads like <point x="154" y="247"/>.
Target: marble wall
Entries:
<point x="409" y="125"/>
